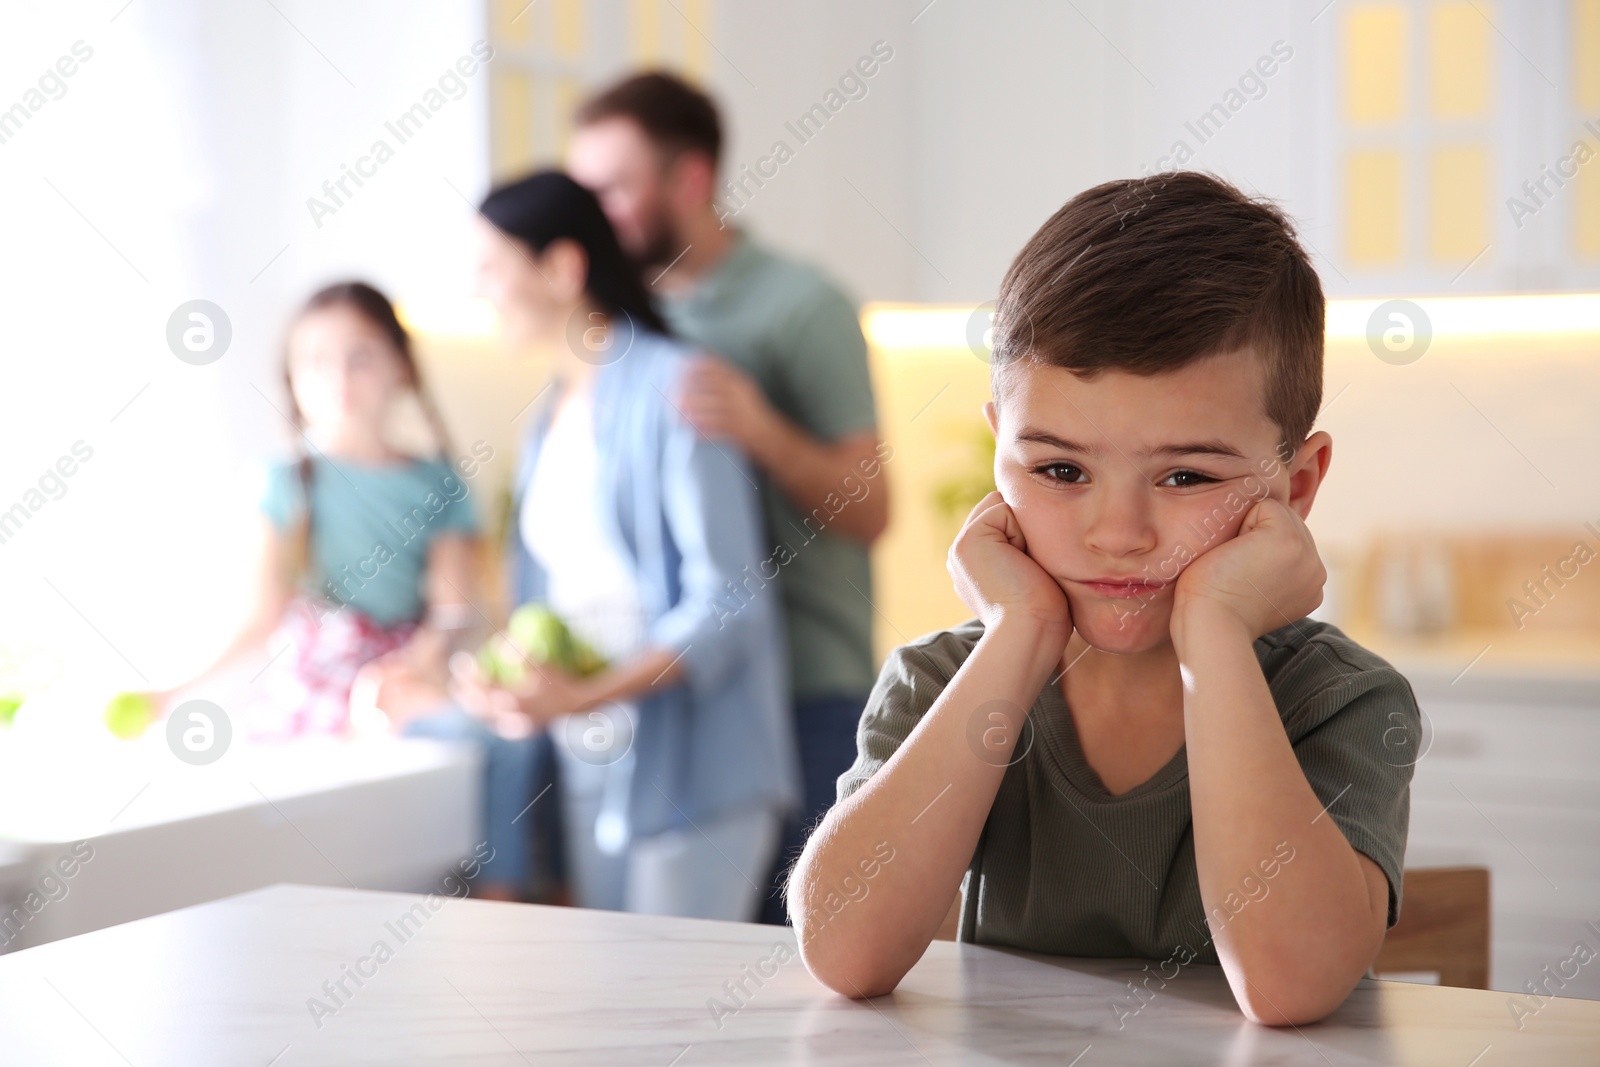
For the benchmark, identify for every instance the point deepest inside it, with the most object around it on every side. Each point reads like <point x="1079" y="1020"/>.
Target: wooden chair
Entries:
<point x="1443" y="927"/>
<point x="952" y="919"/>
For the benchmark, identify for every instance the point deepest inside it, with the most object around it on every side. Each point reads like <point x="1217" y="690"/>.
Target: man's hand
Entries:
<point x="996" y="578"/>
<point x="1266" y="577"/>
<point x="722" y="401"/>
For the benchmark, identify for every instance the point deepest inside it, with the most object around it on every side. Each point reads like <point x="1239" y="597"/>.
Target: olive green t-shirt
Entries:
<point x="797" y="335"/>
<point x="1064" y="867"/>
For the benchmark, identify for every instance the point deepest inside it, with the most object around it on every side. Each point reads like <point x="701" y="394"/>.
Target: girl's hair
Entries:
<point x="372" y="305"/>
<point x="547" y="206"/>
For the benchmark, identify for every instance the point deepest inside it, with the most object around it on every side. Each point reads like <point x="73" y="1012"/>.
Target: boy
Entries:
<point x="1139" y="746"/>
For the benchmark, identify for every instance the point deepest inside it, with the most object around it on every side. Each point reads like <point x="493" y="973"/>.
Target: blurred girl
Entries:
<point x="366" y="551"/>
<point x="676" y="762"/>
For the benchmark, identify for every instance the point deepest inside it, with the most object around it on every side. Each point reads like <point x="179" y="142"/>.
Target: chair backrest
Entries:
<point x="1443" y="927"/>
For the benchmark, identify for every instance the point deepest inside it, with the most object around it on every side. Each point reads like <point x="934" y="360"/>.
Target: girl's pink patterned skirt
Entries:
<point x="320" y="646"/>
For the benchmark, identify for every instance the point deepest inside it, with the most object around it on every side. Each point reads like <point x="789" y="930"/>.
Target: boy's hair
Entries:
<point x="1147" y="275"/>
<point x="675" y="115"/>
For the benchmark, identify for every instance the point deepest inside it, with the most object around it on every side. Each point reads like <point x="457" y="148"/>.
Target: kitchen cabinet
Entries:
<point x="1509" y="778"/>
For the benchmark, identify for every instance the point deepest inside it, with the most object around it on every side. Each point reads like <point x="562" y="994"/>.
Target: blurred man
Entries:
<point x="790" y="387"/>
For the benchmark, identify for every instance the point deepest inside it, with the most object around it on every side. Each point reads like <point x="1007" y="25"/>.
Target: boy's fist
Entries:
<point x="996" y="578"/>
<point x="1268" y="576"/>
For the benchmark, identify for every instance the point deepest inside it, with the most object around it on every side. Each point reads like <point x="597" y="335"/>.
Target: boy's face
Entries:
<point x="1121" y="481"/>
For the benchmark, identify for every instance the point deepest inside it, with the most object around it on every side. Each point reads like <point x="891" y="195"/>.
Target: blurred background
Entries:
<point x="1442" y="154"/>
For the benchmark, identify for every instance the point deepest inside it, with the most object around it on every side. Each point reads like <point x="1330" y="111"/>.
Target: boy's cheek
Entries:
<point x="1050" y="538"/>
<point x="1205" y="528"/>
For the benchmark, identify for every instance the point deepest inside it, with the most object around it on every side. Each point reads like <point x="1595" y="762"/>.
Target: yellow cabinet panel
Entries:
<point x="1459" y="74"/>
<point x="1372" y="226"/>
<point x="1374" y="63"/>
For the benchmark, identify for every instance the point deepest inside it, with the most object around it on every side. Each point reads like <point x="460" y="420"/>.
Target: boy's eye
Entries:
<point x="1185" y="479"/>
<point x="1062" y="472"/>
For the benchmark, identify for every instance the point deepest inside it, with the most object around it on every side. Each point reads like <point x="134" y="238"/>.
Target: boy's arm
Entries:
<point x="1293" y="955"/>
<point x="929" y="801"/>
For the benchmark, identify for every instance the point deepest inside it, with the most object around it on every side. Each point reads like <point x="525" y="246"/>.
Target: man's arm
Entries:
<point x="722" y="401"/>
<point x="818" y="475"/>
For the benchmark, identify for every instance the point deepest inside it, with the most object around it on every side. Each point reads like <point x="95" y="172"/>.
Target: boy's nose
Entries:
<point x="1119" y="528"/>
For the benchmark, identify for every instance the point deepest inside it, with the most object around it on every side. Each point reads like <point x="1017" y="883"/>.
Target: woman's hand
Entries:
<point x="1268" y="576"/>
<point x="544" y="693"/>
<point x="490" y="703"/>
<point x="996" y="578"/>
<point x="400" y="685"/>
<point x="547" y="692"/>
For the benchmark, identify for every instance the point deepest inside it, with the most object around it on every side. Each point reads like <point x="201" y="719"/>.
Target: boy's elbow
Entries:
<point x="846" y="969"/>
<point x="844" y="961"/>
<point x="1288" y="1007"/>
<point x="1293" y="993"/>
<point x="1283" y="981"/>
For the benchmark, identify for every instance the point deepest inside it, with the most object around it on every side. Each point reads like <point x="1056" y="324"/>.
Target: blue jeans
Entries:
<point x="825" y="733"/>
<point x="523" y="839"/>
<point x="715" y="868"/>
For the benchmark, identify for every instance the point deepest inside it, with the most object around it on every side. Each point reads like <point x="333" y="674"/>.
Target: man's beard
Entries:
<point x="661" y="249"/>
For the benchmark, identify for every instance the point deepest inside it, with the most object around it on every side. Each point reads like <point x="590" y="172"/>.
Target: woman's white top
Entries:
<point x="590" y="582"/>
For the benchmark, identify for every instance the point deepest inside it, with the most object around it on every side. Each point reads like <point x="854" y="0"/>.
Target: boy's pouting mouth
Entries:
<point x="1120" y="480"/>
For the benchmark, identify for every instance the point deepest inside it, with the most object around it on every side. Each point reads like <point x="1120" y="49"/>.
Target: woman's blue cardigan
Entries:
<point x="686" y="512"/>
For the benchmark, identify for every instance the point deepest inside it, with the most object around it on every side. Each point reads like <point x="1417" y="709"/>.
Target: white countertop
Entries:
<point x="107" y="832"/>
<point x="233" y="982"/>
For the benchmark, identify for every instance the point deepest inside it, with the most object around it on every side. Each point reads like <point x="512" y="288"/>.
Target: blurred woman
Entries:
<point x="676" y="762"/>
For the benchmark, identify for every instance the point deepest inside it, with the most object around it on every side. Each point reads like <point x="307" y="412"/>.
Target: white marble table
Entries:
<point x="238" y="981"/>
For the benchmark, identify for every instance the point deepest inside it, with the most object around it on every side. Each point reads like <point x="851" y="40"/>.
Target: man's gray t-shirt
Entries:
<point x="796" y="334"/>
<point x="1064" y="867"/>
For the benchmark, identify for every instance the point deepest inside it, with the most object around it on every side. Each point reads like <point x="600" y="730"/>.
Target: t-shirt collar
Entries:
<point x="725" y="272"/>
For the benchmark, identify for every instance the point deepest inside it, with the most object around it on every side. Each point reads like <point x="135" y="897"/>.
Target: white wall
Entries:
<point x="994" y="114"/>
<point x="175" y="166"/>
<point x="783" y="61"/>
<point x="990" y="117"/>
<point x="178" y="163"/>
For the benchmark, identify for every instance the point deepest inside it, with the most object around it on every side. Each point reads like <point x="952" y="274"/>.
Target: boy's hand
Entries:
<point x="1266" y="577"/>
<point x="996" y="578"/>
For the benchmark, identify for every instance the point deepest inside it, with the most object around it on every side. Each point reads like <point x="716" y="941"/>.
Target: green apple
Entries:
<point x="127" y="714"/>
<point x="586" y="660"/>
<point x="540" y="635"/>
<point x="9" y="703"/>
<point x="499" y="662"/>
